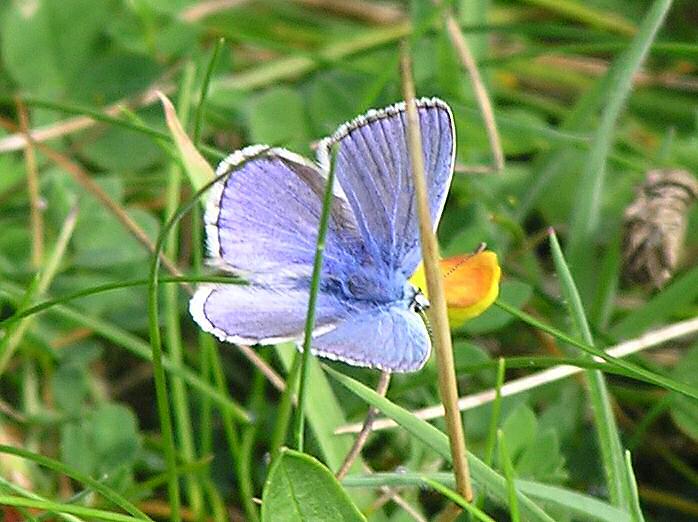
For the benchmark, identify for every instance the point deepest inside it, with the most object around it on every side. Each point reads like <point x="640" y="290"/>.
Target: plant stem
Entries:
<point x="299" y="423"/>
<point x="448" y="387"/>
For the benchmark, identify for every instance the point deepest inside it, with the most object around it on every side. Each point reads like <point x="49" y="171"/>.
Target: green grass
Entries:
<point x="107" y="381"/>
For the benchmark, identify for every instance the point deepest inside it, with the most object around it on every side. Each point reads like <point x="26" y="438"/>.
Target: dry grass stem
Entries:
<point x="274" y="378"/>
<point x="483" y="100"/>
<point x="199" y="11"/>
<point x="68" y="126"/>
<point x="371" y="12"/>
<point x="648" y="340"/>
<point x="391" y="494"/>
<point x="597" y="67"/>
<point x="35" y="204"/>
<point x="448" y="387"/>
<point x="361" y="439"/>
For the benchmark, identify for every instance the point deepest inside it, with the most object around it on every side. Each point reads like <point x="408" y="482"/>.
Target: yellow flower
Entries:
<point x="471" y="283"/>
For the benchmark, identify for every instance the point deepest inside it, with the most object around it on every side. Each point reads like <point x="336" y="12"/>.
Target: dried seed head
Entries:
<point x="655" y="226"/>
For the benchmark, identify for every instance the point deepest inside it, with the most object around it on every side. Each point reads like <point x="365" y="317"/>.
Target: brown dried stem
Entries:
<point x="35" y="216"/>
<point x="467" y="59"/>
<point x="361" y="439"/>
<point x="448" y="386"/>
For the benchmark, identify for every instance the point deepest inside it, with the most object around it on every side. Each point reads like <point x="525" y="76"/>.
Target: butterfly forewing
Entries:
<point x="373" y="167"/>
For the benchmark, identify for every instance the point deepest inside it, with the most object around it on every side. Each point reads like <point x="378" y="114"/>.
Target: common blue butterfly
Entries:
<point x="262" y="222"/>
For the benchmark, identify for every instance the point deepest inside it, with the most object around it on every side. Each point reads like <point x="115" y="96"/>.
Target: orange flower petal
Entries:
<point x="471" y="284"/>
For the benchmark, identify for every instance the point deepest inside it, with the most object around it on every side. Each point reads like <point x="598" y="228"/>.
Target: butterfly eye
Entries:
<point x="420" y="303"/>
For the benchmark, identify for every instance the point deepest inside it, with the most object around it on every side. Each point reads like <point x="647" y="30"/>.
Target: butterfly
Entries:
<point x="262" y="223"/>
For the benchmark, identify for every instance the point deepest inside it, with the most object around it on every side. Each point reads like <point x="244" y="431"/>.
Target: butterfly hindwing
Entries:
<point x="391" y="338"/>
<point x="258" y="314"/>
<point x="262" y="219"/>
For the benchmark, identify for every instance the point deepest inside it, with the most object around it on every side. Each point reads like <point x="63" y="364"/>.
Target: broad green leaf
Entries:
<point x="332" y="100"/>
<point x="542" y="459"/>
<point x="513" y="292"/>
<point x="114" y="447"/>
<point x="44" y="48"/>
<point x="93" y="446"/>
<point x="300" y="489"/>
<point x="114" y="76"/>
<point x="519" y="428"/>
<point x="277" y="118"/>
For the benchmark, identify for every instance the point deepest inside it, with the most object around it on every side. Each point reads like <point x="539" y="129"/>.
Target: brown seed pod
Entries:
<point x="655" y="226"/>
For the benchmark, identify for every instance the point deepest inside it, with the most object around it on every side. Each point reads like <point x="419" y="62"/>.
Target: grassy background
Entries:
<point x="580" y="126"/>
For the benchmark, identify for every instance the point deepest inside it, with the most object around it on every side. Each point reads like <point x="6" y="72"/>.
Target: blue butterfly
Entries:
<point x="262" y="222"/>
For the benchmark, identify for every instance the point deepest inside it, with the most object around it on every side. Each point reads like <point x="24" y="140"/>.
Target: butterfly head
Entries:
<point x="419" y="303"/>
<point x="415" y="298"/>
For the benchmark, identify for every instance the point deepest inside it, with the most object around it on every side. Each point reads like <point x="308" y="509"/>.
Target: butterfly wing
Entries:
<point x="258" y="314"/>
<point x="262" y="223"/>
<point x="262" y="220"/>
<point x="373" y="168"/>
<point x="391" y="338"/>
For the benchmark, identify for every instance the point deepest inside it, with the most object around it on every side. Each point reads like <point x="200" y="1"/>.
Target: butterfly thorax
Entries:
<point x="363" y="287"/>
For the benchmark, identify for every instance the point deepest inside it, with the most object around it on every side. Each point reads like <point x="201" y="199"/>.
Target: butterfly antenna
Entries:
<point x="480" y="248"/>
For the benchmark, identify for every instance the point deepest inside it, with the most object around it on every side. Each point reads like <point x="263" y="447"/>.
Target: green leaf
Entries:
<point x="301" y="489"/>
<point x="114" y="76"/>
<point x="519" y="428"/>
<point x="94" y="447"/>
<point x="114" y="447"/>
<point x="542" y="459"/>
<point x="324" y="415"/>
<point x="512" y="292"/>
<point x="277" y="117"/>
<point x="70" y="386"/>
<point x="44" y="48"/>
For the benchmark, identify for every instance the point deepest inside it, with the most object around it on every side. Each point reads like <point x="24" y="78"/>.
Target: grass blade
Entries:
<point x="585" y="217"/>
<point x="484" y="477"/>
<point x="13" y="336"/>
<point x="88" y="481"/>
<point x="576" y="505"/>
<point x="635" y="509"/>
<point x="604" y="419"/>
<point x="173" y="331"/>
<point x="57" y="507"/>
<point x="634" y="371"/>
<point x="299" y="420"/>
<point x="200" y="109"/>
<point x="496" y="411"/>
<point x="457" y="499"/>
<point x="505" y="463"/>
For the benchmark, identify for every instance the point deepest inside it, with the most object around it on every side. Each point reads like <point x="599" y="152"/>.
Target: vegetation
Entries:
<point x="114" y="406"/>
